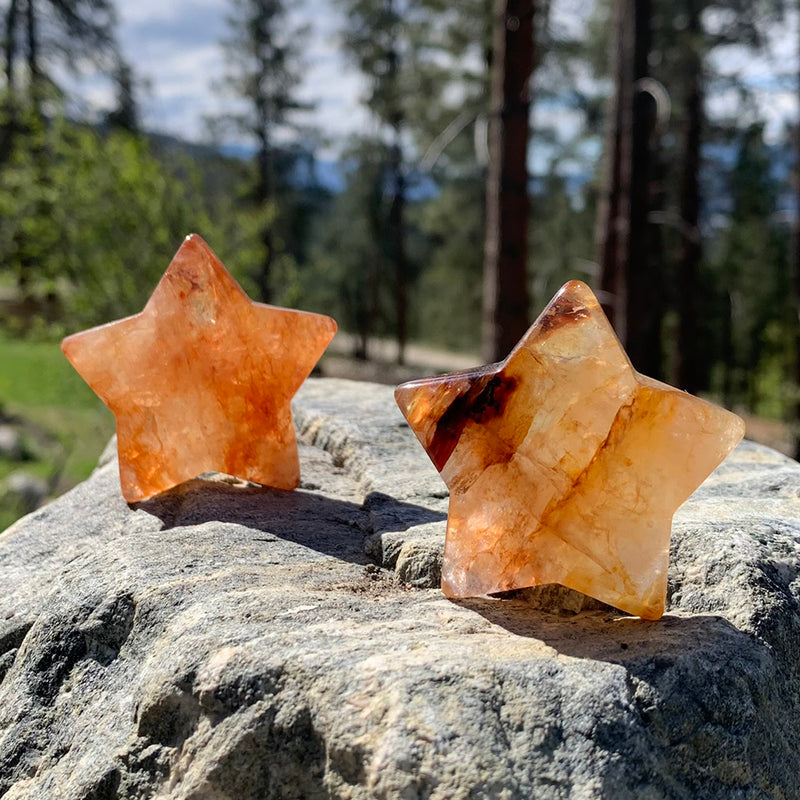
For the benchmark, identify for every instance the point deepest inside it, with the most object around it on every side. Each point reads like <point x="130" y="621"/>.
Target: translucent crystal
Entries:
<point x="201" y="380"/>
<point x="564" y="464"/>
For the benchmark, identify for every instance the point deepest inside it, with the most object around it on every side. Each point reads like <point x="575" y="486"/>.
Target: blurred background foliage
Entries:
<point x="685" y="221"/>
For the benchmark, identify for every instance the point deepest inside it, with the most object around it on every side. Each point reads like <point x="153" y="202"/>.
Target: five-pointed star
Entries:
<point x="201" y="380"/>
<point x="564" y="464"/>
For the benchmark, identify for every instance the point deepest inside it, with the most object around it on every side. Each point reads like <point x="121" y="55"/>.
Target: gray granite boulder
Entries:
<point x="227" y="641"/>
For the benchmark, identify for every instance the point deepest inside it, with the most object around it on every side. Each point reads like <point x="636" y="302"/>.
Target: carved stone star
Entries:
<point x="201" y="380"/>
<point x="564" y="464"/>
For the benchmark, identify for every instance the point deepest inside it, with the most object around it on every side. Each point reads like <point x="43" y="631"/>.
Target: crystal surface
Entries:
<point x="201" y="380"/>
<point x="564" y="464"/>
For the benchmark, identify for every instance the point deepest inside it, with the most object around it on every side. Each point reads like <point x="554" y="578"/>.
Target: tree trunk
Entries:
<point x="33" y="60"/>
<point x="611" y="234"/>
<point x="505" y="288"/>
<point x="397" y="235"/>
<point x="396" y="219"/>
<point x="264" y="196"/>
<point x="642" y="274"/>
<point x="374" y="267"/>
<point x="10" y="124"/>
<point x="630" y="269"/>
<point x="689" y="377"/>
<point x="10" y="45"/>
<point x="795" y="288"/>
<point x="265" y="267"/>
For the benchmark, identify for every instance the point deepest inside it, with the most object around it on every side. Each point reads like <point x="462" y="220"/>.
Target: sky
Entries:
<point x="174" y="46"/>
<point x="772" y="75"/>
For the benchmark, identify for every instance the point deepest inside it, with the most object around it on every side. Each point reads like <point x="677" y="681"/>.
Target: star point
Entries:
<point x="202" y="378"/>
<point x="564" y="464"/>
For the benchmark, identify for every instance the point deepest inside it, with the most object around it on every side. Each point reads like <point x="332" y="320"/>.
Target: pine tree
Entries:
<point x="689" y="377"/>
<point x="350" y="258"/>
<point x="125" y="114"/>
<point x="751" y="268"/>
<point x="454" y="56"/>
<point x="630" y="267"/>
<point x="451" y="51"/>
<point x="795" y="274"/>
<point x="505" y="287"/>
<point x="651" y="226"/>
<point x="35" y="35"/>
<point x="376" y="40"/>
<point x="687" y="49"/>
<point x="612" y="223"/>
<point x="264" y="55"/>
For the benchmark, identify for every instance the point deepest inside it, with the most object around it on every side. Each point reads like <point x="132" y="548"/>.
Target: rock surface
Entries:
<point x="226" y="641"/>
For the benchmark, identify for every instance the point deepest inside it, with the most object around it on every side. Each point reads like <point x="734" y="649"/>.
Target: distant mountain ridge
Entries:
<point x="331" y="174"/>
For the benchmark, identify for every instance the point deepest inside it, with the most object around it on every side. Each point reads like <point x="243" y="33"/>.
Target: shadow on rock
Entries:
<point x="389" y="514"/>
<point x="330" y="526"/>
<point x="607" y="635"/>
<point x="715" y="701"/>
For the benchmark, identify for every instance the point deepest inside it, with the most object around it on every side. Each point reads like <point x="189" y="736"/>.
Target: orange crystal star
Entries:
<point x="564" y="464"/>
<point x="202" y="378"/>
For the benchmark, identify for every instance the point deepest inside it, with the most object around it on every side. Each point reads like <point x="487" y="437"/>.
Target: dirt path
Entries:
<point x="381" y="367"/>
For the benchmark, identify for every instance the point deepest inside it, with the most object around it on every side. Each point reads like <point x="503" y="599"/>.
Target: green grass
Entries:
<point x="37" y="374"/>
<point x="65" y="426"/>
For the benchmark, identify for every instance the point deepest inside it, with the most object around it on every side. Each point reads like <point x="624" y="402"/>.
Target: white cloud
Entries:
<point x="569" y="18"/>
<point x="769" y="73"/>
<point x="175" y="46"/>
<point x="137" y="12"/>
